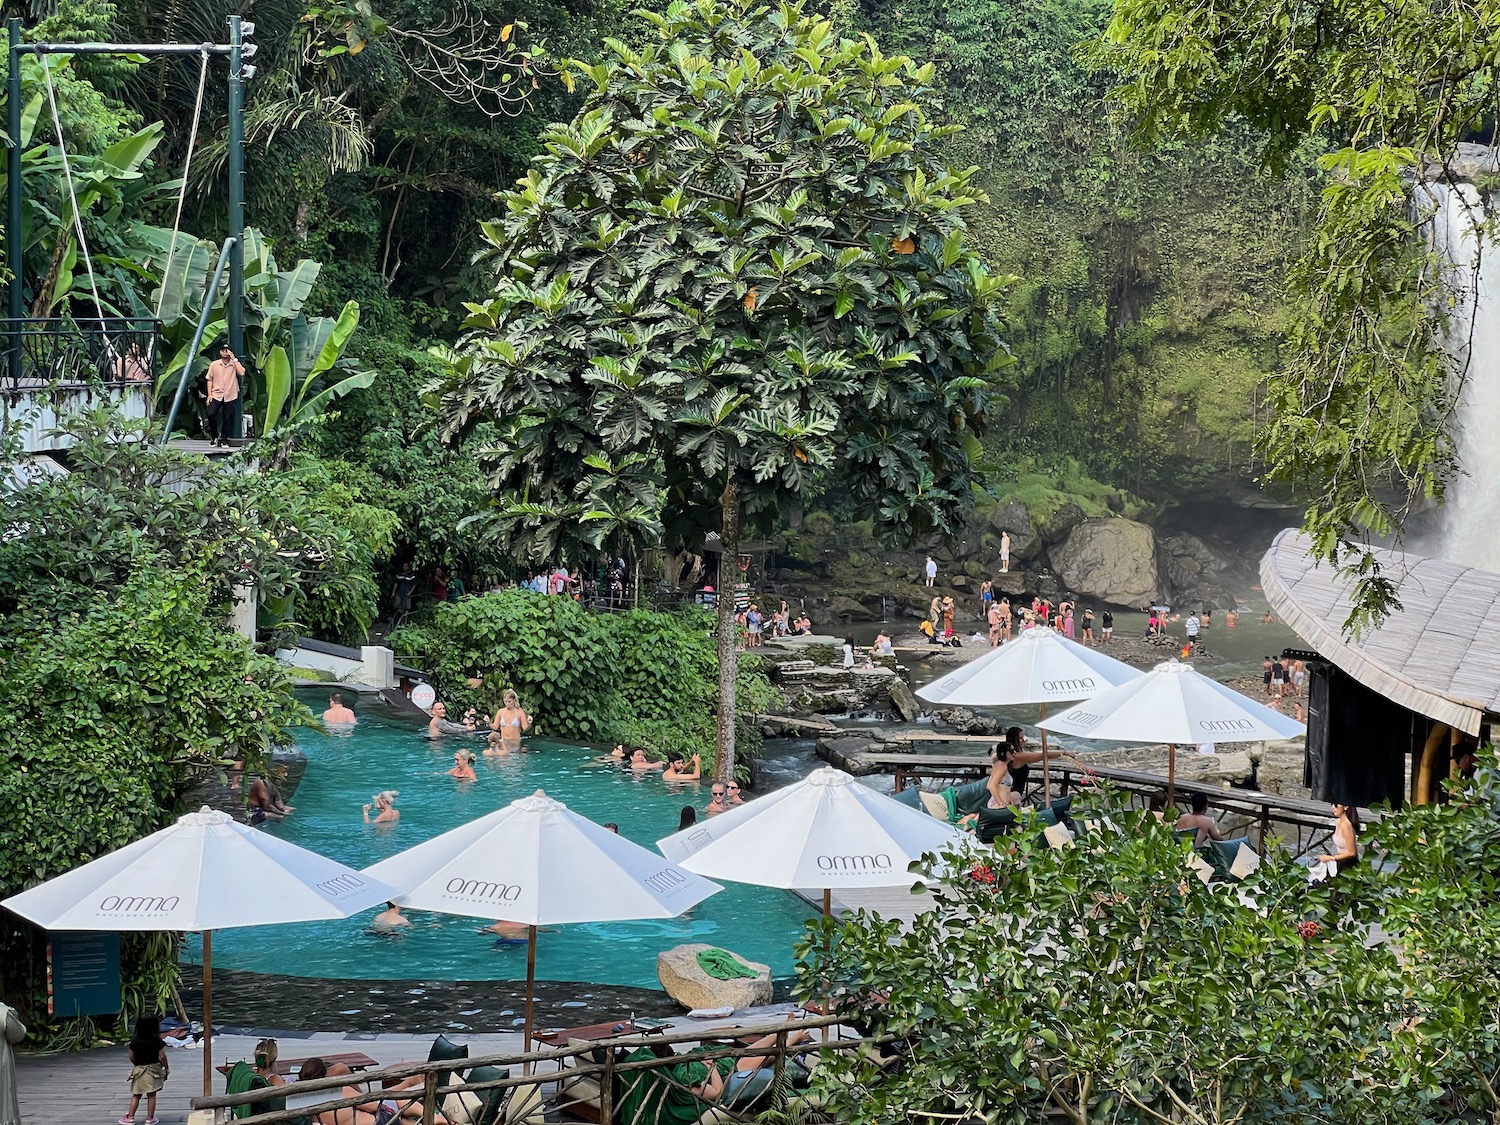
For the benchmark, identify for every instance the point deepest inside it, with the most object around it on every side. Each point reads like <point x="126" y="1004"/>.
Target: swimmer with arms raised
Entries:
<point x="677" y="769"/>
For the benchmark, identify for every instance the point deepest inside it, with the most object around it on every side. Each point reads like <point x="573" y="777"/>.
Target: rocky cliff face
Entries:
<point x="1111" y="561"/>
<point x="842" y="576"/>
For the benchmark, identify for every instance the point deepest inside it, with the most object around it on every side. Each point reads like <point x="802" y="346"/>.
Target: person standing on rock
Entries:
<point x="947" y="610"/>
<point x="935" y="613"/>
<point x="986" y="597"/>
<point x="1088" y="627"/>
<point x="1005" y="552"/>
<point x="993" y="616"/>
<point x="931" y="571"/>
<point x="1005" y="618"/>
<point x="1107" y="627"/>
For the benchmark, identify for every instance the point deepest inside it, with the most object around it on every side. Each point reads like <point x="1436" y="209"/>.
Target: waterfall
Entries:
<point x="1468" y="525"/>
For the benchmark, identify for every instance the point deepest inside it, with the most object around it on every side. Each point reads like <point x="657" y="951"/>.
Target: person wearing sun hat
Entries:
<point x="948" y="616"/>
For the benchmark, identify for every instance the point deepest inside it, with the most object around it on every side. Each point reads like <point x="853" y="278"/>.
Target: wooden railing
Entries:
<point x="432" y="1094"/>
<point x="1303" y="826"/>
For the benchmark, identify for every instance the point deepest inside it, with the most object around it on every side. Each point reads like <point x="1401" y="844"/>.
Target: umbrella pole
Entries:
<point x="530" y="991"/>
<point x="1171" y="774"/>
<point x="208" y="1014"/>
<point x="1046" y="767"/>
<point x="827" y="957"/>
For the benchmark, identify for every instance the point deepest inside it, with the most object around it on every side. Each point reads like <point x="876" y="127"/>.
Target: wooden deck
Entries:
<point x="93" y="1086"/>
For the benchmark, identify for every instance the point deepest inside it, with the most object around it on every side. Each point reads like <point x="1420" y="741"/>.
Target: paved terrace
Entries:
<point x="93" y="1087"/>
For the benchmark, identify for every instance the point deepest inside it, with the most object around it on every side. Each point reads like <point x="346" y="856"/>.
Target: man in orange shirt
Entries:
<point x="224" y="376"/>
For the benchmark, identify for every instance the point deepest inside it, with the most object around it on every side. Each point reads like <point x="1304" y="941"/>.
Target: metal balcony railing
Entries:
<point x="55" y="353"/>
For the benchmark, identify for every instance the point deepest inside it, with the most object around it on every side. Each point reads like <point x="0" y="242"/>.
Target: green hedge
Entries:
<point x="643" y="678"/>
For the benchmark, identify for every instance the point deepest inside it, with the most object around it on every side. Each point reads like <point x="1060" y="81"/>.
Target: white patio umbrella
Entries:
<point x="538" y="863"/>
<point x="1174" y="703"/>
<point x="826" y="831"/>
<point x="1040" y="666"/>
<point x="206" y="872"/>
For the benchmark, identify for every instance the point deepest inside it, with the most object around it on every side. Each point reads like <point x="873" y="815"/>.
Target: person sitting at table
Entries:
<point x="265" y="1062"/>
<point x="1207" y="827"/>
<point x="715" y="1084"/>
<point x="377" y="1111"/>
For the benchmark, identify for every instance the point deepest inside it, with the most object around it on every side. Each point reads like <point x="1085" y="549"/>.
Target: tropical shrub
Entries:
<point x="303" y="537"/>
<point x="109" y="708"/>
<point x="1104" y="981"/>
<point x="641" y="677"/>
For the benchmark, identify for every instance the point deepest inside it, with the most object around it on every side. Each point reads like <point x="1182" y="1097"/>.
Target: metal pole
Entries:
<point x="187" y="367"/>
<point x="14" y="243"/>
<point x="237" y="206"/>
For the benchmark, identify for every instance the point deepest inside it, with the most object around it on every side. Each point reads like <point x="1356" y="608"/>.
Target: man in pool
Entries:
<point x="439" y="725"/>
<point x="337" y="714"/>
<point x="265" y="803"/>
<point x="389" y="920"/>
<point x="677" y="769"/>
<point x="719" y="802"/>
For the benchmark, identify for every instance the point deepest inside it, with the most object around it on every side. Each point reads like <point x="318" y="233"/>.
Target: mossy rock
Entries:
<point x="823" y="655"/>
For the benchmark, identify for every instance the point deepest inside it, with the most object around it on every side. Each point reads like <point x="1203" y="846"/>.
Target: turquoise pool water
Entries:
<point x="343" y="770"/>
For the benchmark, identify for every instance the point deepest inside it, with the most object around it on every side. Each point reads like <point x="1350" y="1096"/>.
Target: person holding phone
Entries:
<point x="224" y="375"/>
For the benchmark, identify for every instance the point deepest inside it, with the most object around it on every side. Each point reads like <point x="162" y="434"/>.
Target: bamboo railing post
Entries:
<point x="429" y="1098"/>
<point x="607" y="1088"/>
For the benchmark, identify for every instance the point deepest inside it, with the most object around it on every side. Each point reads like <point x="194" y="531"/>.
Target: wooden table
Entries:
<point x="592" y="1032"/>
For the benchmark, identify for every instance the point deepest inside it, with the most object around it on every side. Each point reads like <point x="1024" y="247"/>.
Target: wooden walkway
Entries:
<point x="93" y="1086"/>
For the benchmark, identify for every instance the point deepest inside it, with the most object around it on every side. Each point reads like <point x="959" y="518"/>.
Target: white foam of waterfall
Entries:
<point x="1468" y="527"/>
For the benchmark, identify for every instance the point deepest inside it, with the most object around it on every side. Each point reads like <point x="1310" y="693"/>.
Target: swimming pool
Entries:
<point x="345" y="769"/>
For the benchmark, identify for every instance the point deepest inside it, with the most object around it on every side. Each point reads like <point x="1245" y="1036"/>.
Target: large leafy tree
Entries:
<point x="736" y="275"/>
<point x="1363" y="401"/>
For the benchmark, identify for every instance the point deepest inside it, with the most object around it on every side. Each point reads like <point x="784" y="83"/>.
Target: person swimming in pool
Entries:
<point x="677" y="769"/>
<point x="389" y="920"/>
<point x="495" y="745"/>
<point x="463" y="766"/>
<point x="639" y="762"/>
<point x="384" y="804"/>
<point x="511" y="721"/>
<point x="438" y="725"/>
<point x="508" y="933"/>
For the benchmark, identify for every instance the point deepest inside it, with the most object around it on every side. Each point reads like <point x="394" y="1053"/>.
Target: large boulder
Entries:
<point x="685" y="981"/>
<point x="848" y="609"/>
<point x="903" y="702"/>
<point x="1013" y="517"/>
<point x="1110" y="559"/>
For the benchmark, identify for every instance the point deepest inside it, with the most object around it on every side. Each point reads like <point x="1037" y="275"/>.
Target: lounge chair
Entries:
<point x="241" y="1079"/>
<point x="1221" y="854"/>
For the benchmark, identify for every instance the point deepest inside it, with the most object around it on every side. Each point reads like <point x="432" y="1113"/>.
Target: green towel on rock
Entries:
<point x="723" y="965"/>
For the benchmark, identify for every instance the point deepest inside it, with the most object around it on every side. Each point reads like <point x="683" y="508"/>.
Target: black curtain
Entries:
<point x="1358" y="741"/>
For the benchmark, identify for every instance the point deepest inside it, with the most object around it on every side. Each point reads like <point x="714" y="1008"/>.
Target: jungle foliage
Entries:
<point x="640" y="677"/>
<point x="1103" y="981"/>
<point x="1151" y="304"/>
<point x="1360" y="408"/>
<point x="739" y="273"/>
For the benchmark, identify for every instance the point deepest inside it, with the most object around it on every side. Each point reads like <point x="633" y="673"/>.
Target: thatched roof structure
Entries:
<point x="1439" y="655"/>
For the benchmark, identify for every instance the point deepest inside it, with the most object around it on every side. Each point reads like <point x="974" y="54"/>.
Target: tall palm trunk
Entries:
<point x="729" y="562"/>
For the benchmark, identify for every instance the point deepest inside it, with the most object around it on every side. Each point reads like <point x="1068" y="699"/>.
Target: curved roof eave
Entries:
<point x="1439" y="655"/>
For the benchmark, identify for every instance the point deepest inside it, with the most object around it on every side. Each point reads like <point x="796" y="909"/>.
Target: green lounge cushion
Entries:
<point x="911" y="796"/>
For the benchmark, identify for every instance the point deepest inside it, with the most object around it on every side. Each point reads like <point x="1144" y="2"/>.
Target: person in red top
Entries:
<point x="224" y="376"/>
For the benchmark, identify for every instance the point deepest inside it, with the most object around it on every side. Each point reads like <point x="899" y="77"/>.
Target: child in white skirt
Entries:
<point x="148" y="1068"/>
